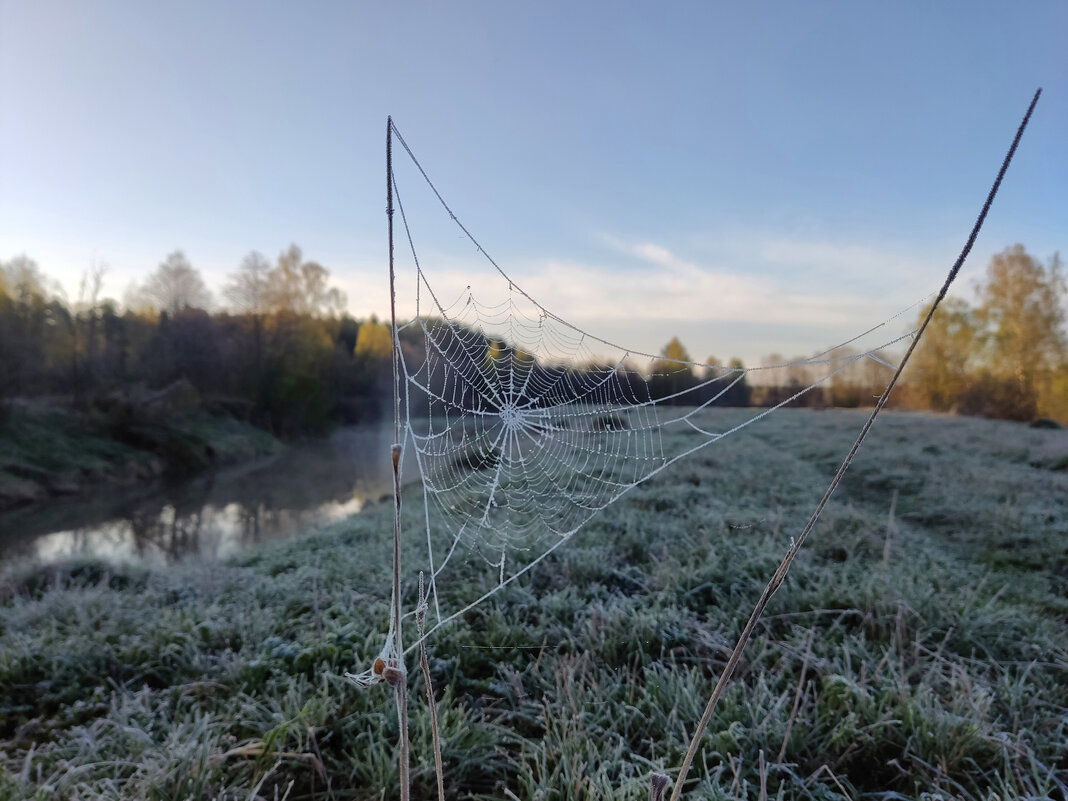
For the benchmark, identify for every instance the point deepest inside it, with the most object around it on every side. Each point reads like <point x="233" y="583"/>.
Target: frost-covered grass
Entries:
<point x="925" y="652"/>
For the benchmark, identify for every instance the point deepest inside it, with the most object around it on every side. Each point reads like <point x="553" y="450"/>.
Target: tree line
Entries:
<point x="283" y="353"/>
<point x="1006" y="357"/>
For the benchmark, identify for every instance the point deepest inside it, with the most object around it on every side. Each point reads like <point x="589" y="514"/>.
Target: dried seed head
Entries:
<point x="394" y="675"/>
<point x="658" y="784"/>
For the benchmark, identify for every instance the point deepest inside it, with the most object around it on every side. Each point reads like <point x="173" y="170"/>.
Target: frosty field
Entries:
<point x="919" y="644"/>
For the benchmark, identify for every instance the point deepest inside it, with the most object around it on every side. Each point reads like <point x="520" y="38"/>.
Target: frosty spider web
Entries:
<point x="524" y="426"/>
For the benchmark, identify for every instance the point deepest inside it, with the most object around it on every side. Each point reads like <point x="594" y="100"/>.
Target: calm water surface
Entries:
<point x="308" y="485"/>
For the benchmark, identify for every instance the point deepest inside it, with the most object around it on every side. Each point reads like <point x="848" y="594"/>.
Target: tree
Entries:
<point x="116" y="333"/>
<point x="1020" y="308"/>
<point x="772" y="376"/>
<point x="673" y="374"/>
<point x="374" y="341"/>
<point x="248" y="292"/>
<point x="88" y="299"/>
<point x="675" y="352"/>
<point x="875" y="374"/>
<point x="495" y="367"/>
<point x="175" y="285"/>
<point x="22" y="280"/>
<point x="740" y="393"/>
<point x="300" y="287"/>
<point x="248" y="288"/>
<point x="941" y="367"/>
<point x="1008" y="357"/>
<point x="23" y="313"/>
<point x="846" y="386"/>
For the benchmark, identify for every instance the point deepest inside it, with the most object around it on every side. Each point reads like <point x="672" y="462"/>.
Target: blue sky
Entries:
<point x="749" y="177"/>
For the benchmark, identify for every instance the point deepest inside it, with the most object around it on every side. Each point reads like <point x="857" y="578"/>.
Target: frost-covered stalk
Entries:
<point x="795" y="545"/>
<point x="420" y="613"/>
<point x="401" y="683"/>
<point x="395" y="673"/>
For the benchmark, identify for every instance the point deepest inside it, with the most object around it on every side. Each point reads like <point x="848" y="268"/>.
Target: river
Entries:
<point x="310" y="484"/>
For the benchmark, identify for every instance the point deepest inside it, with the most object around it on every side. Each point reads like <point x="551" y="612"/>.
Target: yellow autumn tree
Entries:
<point x="672" y="373"/>
<point x="373" y="341"/>
<point x="940" y="369"/>
<point x="1022" y="312"/>
<point x="1007" y="357"/>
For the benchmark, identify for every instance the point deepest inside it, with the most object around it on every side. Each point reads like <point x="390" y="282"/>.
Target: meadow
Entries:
<point x="918" y="648"/>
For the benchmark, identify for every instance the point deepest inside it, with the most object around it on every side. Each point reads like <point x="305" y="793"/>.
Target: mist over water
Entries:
<point x="311" y="484"/>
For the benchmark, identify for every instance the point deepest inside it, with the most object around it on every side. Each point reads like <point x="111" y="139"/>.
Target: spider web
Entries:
<point x="524" y="426"/>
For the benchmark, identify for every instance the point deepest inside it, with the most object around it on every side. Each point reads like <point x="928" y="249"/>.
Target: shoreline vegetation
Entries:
<point x="50" y="450"/>
<point x="917" y="647"/>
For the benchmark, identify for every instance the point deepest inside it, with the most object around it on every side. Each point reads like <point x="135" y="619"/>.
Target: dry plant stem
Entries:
<point x="795" y="546"/>
<point x="401" y="685"/>
<point x="401" y="690"/>
<point x="424" y="663"/>
<point x="439" y="770"/>
<point x="402" y="680"/>
<point x="889" y="529"/>
<point x="797" y="694"/>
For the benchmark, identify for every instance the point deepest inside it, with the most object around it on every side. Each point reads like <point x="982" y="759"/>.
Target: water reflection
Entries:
<point x="308" y="485"/>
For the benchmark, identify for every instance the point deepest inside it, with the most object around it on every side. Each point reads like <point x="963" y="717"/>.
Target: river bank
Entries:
<point x="213" y="512"/>
<point x="50" y="450"/>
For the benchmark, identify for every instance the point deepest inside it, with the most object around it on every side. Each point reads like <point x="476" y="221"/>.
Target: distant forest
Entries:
<point x="280" y="352"/>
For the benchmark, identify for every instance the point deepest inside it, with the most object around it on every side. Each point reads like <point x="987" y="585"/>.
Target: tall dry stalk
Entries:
<point x="795" y="545"/>
<point x="401" y="678"/>
<point x="424" y="663"/>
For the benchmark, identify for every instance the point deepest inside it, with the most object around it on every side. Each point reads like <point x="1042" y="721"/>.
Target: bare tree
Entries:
<point x="249" y="293"/>
<point x="249" y="288"/>
<point x="301" y="287"/>
<point x="24" y="305"/>
<point x="22" y="279"/>
<point x="175" y="285"/>
<point x="88" y="298"/>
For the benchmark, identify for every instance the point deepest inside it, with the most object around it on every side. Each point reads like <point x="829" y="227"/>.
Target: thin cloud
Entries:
<point x="777" y="295"/>
<point x="860" y="263"/>
<point x="668" y="287"/>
